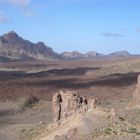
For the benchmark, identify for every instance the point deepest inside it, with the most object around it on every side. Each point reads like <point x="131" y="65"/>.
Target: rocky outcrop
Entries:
<point x="65" y="104"/>
<point x="136" y="96"/>
<point x="77" y="127"/>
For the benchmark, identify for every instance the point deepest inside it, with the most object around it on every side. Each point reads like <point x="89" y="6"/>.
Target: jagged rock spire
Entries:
<point x="66" y="104"/>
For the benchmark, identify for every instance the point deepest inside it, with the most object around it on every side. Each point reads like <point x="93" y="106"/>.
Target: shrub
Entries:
<point x="28" y="102"/>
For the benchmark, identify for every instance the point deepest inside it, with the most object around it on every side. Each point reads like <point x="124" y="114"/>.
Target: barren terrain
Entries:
<point x="112" y="80"/>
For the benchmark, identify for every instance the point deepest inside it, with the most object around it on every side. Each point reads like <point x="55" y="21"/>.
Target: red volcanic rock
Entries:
<point x="67" y="103"/>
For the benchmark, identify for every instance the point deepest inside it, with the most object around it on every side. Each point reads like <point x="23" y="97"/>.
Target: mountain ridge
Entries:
<point x="93" y="54"/>
<point x="12" y="46"/>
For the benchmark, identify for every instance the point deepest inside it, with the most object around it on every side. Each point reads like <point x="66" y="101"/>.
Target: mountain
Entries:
<point x="15" y="47"/>
<point x="120" y="54"/>
<point x="78" y="55"/>
<point x="92" y="54"/>
<point x="71" y="55"/>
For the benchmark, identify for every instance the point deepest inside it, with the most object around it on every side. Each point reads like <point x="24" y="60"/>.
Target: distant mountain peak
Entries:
<point x="71" y="55"/>
<point x="40" y="43"/>
<point x="14" y="46"/>
<point x="123" y="53"/>
<point x="92" y="54"/>
<point x="12" y="32"/>
<point x="78" y="55"/>
<point x="11" y="35"/>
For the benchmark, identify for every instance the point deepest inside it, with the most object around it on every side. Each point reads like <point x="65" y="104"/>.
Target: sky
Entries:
<point x="104" y="26"/>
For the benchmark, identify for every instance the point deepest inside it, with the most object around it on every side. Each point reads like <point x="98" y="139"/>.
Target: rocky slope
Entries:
<point x="15" y="47"/>
<point x="135" y="103"/>
<point x="120" y="54"/>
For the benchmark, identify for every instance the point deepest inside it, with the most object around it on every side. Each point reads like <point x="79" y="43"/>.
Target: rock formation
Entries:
<point x="67" y="103"/>
<point x="136" y="96"/>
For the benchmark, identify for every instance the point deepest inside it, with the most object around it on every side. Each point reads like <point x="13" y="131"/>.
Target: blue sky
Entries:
<point x="83" y="25"/>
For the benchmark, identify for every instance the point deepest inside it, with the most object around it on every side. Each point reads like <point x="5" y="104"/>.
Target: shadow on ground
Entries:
<point x="65" y="72"/>
<point x="6" y="112"/>
<point x="115" y="80"/>
<point x="11" y="75"/>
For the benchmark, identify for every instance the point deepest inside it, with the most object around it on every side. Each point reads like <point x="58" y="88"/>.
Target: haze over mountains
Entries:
<point x="12" y="46"/>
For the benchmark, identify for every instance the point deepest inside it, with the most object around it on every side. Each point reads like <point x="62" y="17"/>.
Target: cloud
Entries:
<point x="114" y="35"/>
<point x="3" y="17"/>
<point x="25" y="6"/>
<point x="138" y="30"/>
<point x="21" y="3"/>
<point x="28" y="8"/>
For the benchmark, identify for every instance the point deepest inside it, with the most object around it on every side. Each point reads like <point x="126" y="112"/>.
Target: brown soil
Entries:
<point x="17" y="124"/>
<point x="103" y="78"/>
<point x="112" y="80"/>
